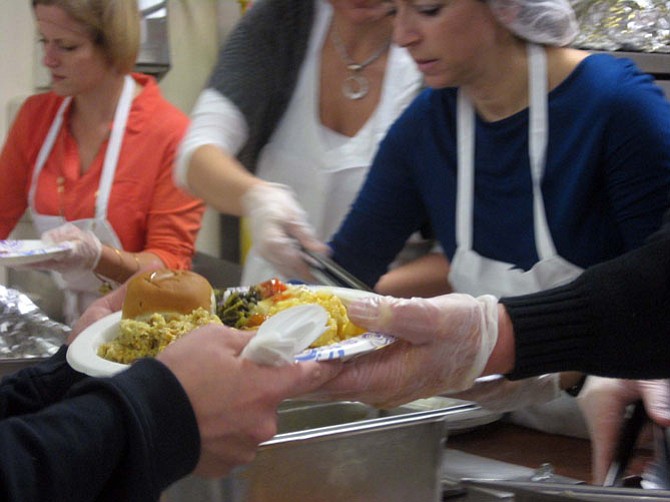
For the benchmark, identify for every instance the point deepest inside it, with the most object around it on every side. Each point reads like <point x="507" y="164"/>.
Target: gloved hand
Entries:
<point x="278" y="227"/>
<point x="444" y="345"/>
<point x="84" y="255"/>
<point x="502" y="395"/>
<point x="603" y="402"/>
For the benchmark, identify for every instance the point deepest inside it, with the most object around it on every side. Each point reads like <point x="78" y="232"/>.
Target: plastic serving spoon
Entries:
<point x="286" y="334"/>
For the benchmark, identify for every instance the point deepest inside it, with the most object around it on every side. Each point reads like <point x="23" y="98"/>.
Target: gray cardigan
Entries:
<point x="259" y="63"/>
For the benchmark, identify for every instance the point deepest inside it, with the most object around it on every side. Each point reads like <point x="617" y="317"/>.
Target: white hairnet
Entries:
<point x="548" y="22"/>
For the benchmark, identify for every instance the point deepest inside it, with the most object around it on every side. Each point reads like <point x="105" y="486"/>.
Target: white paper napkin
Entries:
<point x="287" y="333"/>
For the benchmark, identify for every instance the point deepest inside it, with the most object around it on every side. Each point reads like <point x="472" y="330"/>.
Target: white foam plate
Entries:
<point x="351" y="347"/>
<point x="82" y="355"/>
<point x="22" y="252"/>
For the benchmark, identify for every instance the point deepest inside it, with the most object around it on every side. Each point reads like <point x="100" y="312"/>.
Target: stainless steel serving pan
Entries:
<point x="342" y="451"/>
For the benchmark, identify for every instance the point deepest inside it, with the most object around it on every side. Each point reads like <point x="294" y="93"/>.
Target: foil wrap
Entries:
<point x="25" y="331"/>
<point x="627" y="25"/>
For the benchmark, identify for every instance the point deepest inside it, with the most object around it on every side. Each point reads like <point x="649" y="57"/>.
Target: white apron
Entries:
<point x="476" y="275"/>
<point x="82" y="289"/>
<point x="326" y="176"/>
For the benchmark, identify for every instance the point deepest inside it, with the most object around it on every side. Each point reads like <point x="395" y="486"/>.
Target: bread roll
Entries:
<point x="167" y="292"/>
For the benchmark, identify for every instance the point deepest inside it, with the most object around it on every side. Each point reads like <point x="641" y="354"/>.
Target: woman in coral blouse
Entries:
<point x="91" y="159"/>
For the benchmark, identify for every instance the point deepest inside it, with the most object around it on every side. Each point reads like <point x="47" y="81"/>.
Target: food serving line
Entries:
<point x="429" y="450"/>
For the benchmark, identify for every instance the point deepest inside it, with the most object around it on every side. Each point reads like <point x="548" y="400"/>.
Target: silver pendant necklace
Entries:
<point x="355" y="86"/>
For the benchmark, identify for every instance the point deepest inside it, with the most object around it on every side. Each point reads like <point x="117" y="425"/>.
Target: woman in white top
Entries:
<point x="288" y="125"/>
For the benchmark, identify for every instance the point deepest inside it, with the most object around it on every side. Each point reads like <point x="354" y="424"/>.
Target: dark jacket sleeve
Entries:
<point x="614" y="320"/>
<point x="37" y="386"/>
<point x="122" y="438"/>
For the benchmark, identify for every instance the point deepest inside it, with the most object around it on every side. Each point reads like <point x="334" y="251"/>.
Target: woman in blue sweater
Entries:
<point x="531" y="160"/>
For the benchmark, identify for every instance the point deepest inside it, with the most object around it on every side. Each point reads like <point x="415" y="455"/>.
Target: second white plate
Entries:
<point x="22" y="252"/>
<point x="82" y="354"/>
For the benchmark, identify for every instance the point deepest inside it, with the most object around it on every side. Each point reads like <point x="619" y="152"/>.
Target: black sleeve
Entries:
<point x="122" y="438"/>
<point x="614" y="320"/>
<point x="38" y="386"/>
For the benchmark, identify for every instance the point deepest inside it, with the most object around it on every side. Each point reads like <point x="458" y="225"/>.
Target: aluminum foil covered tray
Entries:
<point x="27" y="335"/>
<point x="628" y="25"/>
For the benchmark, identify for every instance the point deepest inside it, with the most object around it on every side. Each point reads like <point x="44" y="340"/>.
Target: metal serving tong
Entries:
<point x="330" y="273"/>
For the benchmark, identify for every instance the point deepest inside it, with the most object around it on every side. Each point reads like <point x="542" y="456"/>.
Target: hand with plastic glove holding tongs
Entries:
<point x="279" y="228"/>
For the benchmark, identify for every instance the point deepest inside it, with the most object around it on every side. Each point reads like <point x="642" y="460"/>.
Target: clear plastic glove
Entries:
<point x="85" y="252"/>
<point x="444" y="344"/>
<point x="279" y="227"/>
<point x="603" y="402"/>
<point x="502" y="395"/>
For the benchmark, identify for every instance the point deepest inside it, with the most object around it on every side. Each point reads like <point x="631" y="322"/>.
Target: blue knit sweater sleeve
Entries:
<point x="110" y="439"/>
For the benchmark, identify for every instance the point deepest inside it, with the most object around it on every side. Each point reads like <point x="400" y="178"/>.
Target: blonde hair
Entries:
<point x="114" y="26"/>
